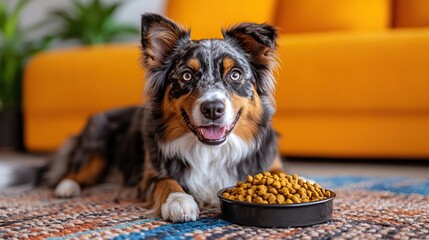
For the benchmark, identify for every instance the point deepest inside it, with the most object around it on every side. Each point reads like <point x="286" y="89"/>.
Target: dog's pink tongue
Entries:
<point x="213" y="132"/>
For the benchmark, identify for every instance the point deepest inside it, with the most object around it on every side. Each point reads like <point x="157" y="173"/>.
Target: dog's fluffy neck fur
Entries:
<point x="210" y="168"/>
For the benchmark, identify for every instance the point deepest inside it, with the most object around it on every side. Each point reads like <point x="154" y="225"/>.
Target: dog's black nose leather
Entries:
<point x="213" y="109"/>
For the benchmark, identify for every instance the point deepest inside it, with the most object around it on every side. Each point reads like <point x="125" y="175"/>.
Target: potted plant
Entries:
<point x="15" y="50"/>
<point x="92" y="23"/>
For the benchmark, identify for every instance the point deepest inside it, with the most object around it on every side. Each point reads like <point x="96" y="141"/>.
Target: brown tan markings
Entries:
<point x="276" y="166"/>
<point x="148" y="174"/>
<point x="194" y="64"/>
<point x="262" y="54"/>
<point x="163" y="188"/>
<point x="228" y="64"/>
<point x="89" y="173"/>
<point x="175" y="125"/>
<point x="247" y="125"/>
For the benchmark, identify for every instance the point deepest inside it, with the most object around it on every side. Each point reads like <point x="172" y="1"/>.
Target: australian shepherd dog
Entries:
<point x="206" y="123"/>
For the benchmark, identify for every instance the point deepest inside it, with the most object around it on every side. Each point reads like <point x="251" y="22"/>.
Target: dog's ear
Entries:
<point x="259" y="42"/>
<point x="159" y="36"/>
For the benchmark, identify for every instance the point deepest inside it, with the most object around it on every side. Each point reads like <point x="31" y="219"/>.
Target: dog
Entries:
<point x="206" y="123"/>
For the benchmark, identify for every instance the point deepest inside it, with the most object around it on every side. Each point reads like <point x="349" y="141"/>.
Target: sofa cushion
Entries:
<point x="205" y="18"/>
<point x="63" y="87"/>
<point x="327" y="15"/>
<point x="346" y="72"/>
<point x="411" y="13"/>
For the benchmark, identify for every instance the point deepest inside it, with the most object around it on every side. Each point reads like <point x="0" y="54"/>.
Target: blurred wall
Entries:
<point x="130" y="11"/>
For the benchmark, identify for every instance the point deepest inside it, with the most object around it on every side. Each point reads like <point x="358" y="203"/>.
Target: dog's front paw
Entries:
<point x="67" y="188"/>
<point x="180" y="207"/>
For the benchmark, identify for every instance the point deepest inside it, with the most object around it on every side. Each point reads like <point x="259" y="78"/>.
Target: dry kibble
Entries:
<point x="273" y="191"/>
<point x="280" y="199"/>
<point x="276" y="188"/>
<point x="295" y="199"/>
<point x="277" y="184"/>
<point x="266" y="196"/>
<point x="272" y="199"/>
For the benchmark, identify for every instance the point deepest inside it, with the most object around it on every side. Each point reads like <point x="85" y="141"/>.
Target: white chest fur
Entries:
<point x="211" y="168"/>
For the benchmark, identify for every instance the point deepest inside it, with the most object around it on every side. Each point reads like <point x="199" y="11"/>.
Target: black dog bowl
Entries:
<point x="276" y="215"/>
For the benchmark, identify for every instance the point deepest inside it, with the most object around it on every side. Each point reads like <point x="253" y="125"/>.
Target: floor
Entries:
<point x="27" y="165"/>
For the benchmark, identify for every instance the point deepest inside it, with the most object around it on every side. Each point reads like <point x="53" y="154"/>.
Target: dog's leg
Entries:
<point x="87" y="175"/>
<point x="276" y="166"/>
<point x="172" y="202"/>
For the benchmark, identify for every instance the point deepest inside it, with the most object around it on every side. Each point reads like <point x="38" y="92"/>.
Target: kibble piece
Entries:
<point x="272" y="199"/>
<point x="277" y="184"/>
<point x="250" y="191"/>
<point x="280" y="199"/>
<point x="295" y="199"/>
<point x="273" y="191"/>
<point x="266" y="196"/>
<point x="270" y="181"/>
<point x="249" y="178"/>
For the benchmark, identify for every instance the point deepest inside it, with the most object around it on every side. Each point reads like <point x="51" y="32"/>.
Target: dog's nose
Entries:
<point x="213" y="109"/>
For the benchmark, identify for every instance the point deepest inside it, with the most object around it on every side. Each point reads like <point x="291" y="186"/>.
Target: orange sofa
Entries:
<point x="353" y="77"/>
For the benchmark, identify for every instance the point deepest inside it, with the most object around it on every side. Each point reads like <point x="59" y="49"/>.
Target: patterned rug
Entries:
<point x="365" y="208"/>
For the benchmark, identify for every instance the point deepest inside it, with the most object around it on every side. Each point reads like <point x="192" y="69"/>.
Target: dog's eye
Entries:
<point x="235" y="75"/>
<point x="187" y="76"/>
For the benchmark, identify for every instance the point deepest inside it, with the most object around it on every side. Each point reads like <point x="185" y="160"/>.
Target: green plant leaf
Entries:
<point x="91" y="23"/>
<point x="79" y="7"/>
<point x="3" y="15"/>
<point x="14" y="53"/>
<point x="11" y="22"/>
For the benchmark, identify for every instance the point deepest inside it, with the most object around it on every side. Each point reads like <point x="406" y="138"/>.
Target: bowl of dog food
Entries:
<point x="276" y="200"/>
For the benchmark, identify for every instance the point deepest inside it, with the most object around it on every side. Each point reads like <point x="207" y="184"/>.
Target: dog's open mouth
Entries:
<point x="211" y="134"/>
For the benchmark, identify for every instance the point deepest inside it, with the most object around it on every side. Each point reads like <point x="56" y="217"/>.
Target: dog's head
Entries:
<point x="211" y="87"/>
